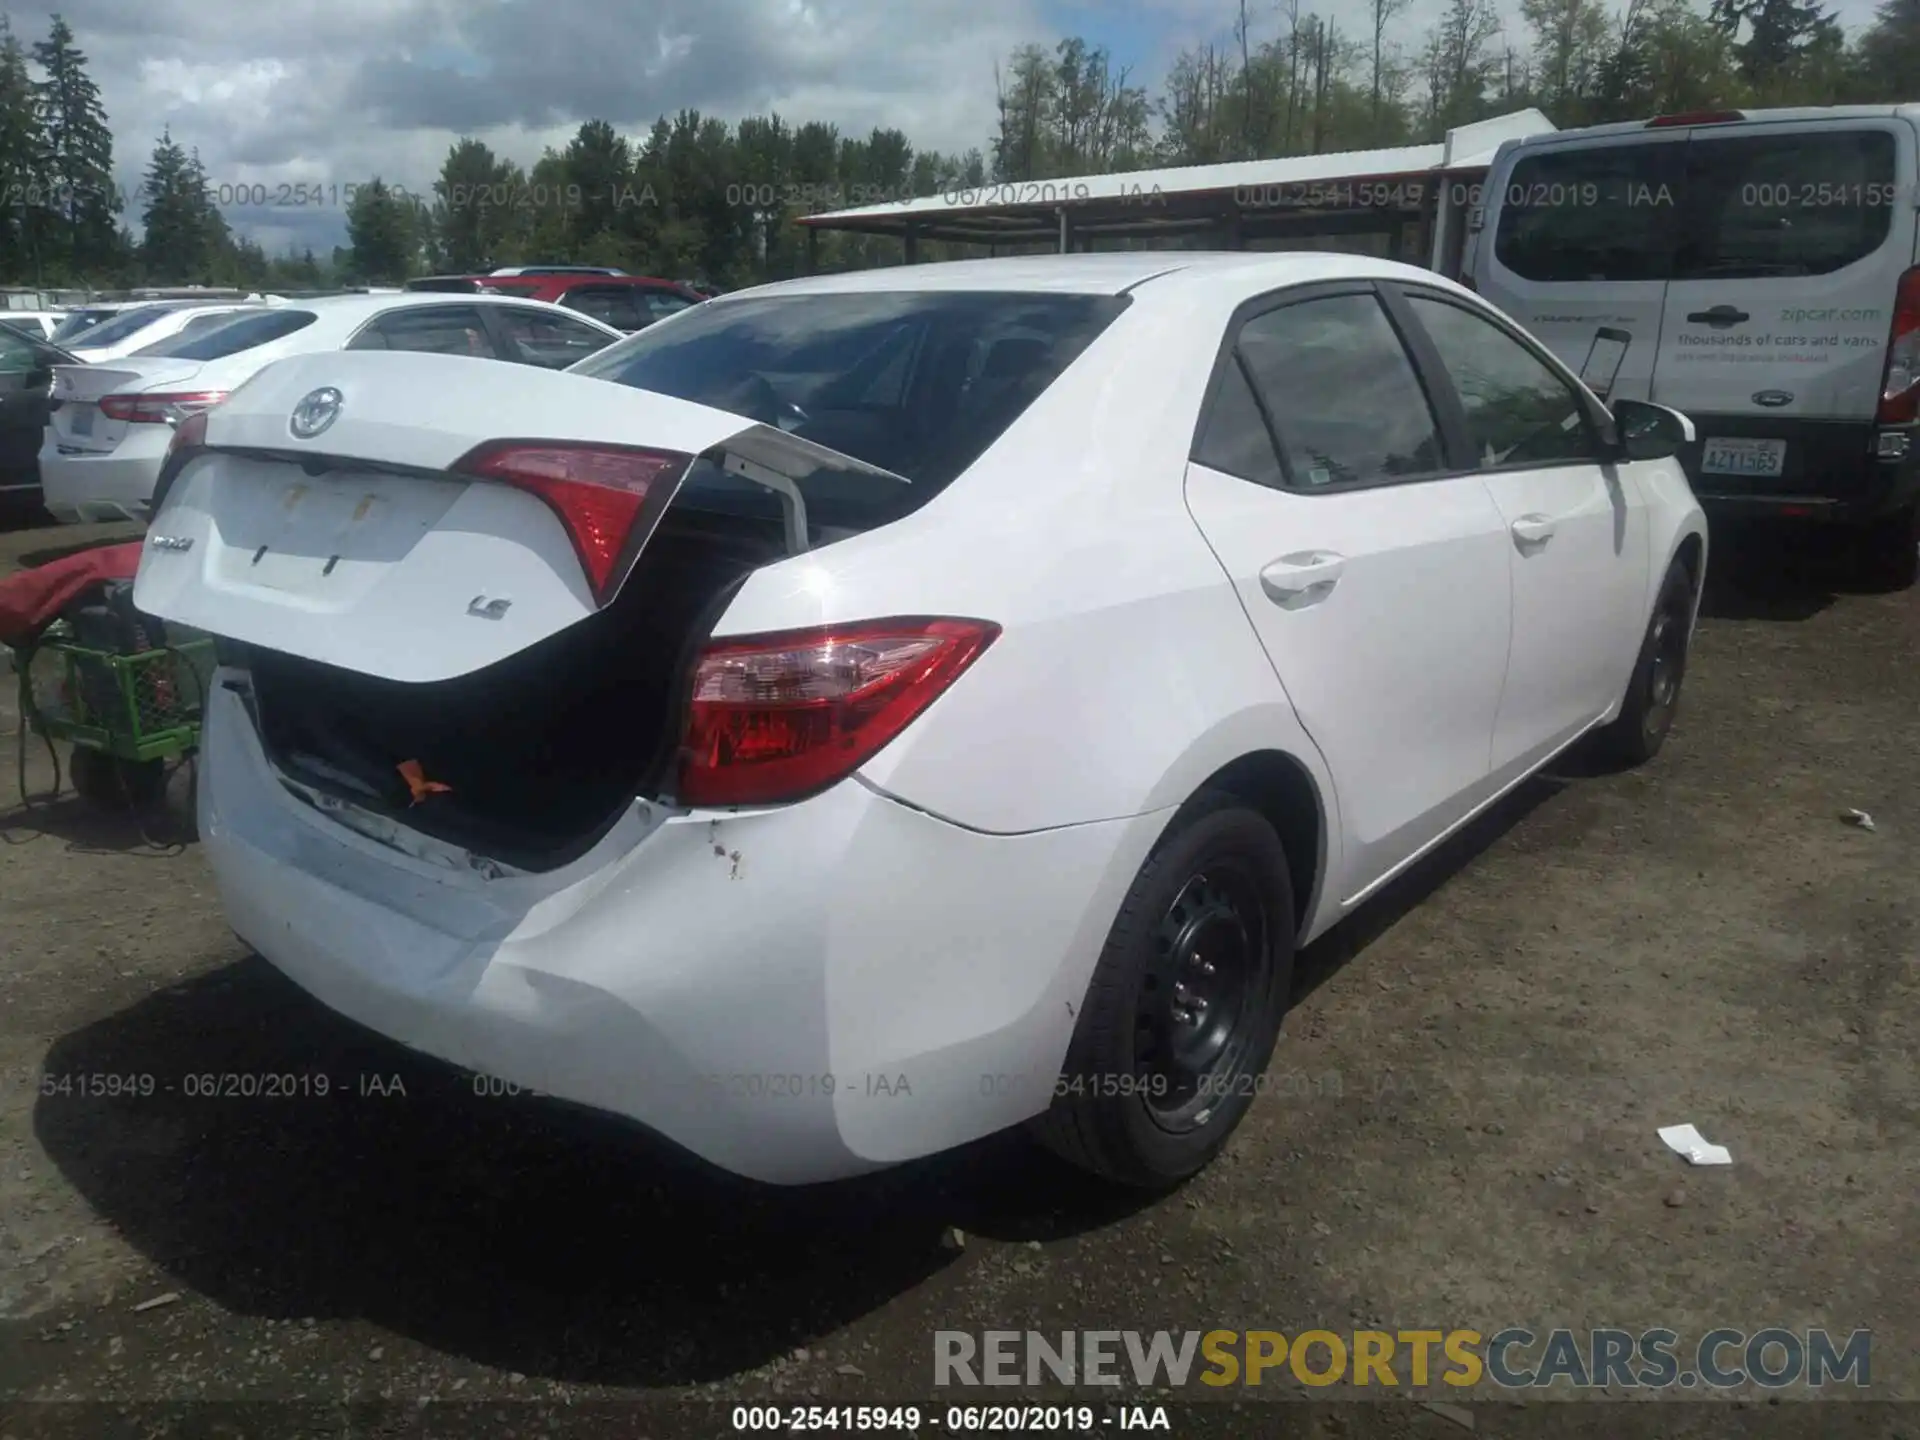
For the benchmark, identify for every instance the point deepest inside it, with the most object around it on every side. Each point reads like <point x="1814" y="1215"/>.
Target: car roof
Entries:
<point x="569" y="280"/>
<point x="368" y="305"/>
<point x="1102" y="274"/>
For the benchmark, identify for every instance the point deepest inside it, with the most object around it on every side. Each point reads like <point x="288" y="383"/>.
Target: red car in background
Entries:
<point x="626" y="302"/>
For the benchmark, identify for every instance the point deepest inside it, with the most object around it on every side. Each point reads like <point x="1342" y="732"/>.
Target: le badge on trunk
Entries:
<point x="316" y="411"/>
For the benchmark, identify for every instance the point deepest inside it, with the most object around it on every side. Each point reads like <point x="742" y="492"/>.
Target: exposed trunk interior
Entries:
<point x="542" y="752"/>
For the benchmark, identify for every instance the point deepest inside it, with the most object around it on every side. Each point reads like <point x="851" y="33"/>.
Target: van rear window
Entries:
<point x="1805" y="204"/>
<point x="1605" y="213"/>
<point x="1716" y="207"/>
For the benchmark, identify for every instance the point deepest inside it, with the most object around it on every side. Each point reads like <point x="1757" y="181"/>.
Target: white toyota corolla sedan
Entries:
<point x="865" y="713"/>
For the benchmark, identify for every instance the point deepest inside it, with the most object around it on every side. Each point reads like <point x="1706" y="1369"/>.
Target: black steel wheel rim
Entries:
<point x="1669" y="647"/>
<point x="1203" y="996"/>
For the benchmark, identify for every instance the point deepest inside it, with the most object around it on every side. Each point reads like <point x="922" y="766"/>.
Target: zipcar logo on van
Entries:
<point x="1799" y="316"/>
<point x="316" y="411"/>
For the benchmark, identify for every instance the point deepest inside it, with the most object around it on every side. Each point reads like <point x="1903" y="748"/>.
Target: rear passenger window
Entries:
<point x="438" y="330"/>
<point x="1235" y="439"/>
<point x="1519" y="411"/>
<point x="1343" y="395"/>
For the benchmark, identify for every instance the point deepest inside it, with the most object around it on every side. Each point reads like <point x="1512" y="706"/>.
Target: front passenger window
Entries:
<point x="1519" y="412"/>
<point x="1342" y="393"/>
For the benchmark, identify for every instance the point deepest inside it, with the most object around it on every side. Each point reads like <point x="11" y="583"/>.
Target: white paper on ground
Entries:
<point x="1687" y="1141"/>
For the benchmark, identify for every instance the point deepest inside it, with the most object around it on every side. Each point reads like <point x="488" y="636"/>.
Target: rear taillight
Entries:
<point x="1900" y="383"/>
<point x="189" y="434"/>
<point x="599" y="493"/>
<point x="1695" y="117"/>
<point x="168" y="409"/>
<point x="778" y="717"/>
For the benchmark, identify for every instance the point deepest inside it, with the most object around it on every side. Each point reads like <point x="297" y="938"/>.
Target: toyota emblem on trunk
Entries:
<point x="316" y="411"/>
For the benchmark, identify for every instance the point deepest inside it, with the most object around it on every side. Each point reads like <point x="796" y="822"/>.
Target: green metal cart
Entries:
<point x="128" y="717"/>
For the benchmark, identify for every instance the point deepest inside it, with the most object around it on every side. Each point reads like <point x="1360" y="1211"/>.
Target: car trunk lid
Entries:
<point x="325" y="518"/>
<point x="80" y="425"/>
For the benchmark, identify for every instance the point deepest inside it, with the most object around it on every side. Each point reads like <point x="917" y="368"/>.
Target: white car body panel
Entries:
<point x="1409" y="638"/>
<point x="1579" y="604"/>
<point x="938" y="914"/>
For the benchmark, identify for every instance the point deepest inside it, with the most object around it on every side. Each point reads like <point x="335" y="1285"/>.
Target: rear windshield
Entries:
<point x="1716" y="206"/>
<point x="126" y="325"/>
<point x="214" y="337"/>
<point x="79" y="322"/>
<point x="915" y="382"/>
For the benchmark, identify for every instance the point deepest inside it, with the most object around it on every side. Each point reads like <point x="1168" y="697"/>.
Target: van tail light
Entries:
<point x="1900" y="384"/>
<point x="775" y="718"/>
<point x="599" y="493"/>
<point x="1695" y="117"/>
<point x="168" y="409"/>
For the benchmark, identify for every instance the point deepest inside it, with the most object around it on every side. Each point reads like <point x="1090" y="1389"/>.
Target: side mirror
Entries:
<point x="1650" y="432"/>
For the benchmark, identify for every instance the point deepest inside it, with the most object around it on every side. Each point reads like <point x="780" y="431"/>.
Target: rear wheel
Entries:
<point x="1181" y="1017"/>
<point x="1653" y="695"/>
<point x="1890" y="551"/>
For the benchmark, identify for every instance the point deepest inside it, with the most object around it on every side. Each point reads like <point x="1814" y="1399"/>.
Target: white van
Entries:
<point x="1757" y="270"/>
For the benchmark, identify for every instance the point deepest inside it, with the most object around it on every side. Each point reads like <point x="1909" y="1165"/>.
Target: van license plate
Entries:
<point x="1743" y="457"/>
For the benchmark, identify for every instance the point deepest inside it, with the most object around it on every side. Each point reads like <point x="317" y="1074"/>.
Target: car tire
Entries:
<point x="1653" y="694"/>
<point x="115" y="785"/>
<point x="1890" y="551"/>
<point x="1147" y="1098"/>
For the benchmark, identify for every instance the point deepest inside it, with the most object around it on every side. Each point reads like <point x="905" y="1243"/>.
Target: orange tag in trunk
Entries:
<point x="418" y="783"/>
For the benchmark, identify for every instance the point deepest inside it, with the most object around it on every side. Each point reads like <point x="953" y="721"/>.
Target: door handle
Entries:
<point x="1719" y="315"/>
<point x="1530" y="532"/>
<point x="1294" y="582"/>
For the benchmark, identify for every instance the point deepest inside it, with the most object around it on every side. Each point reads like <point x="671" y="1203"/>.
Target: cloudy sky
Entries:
<point x="334" y="92"/>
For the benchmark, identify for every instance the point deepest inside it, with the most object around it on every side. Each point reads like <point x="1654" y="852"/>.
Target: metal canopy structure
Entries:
<point x="1411" y="200"/>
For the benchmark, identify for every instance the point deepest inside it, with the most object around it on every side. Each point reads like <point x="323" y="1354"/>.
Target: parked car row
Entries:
<point x="101" y="433"/>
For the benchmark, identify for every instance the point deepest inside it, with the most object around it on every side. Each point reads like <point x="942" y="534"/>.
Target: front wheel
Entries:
<point x="1185" y="1004"/>
<point x="1653" y="695"/>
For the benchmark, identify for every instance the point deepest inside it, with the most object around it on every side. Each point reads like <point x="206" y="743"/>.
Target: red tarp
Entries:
<point x="33" y="599"/>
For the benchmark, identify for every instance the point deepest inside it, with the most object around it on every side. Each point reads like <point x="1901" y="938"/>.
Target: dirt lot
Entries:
<point x="1465" y="1136"/>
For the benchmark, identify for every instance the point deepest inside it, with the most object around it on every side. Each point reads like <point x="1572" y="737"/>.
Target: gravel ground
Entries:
<point x="1461" y="1132"/>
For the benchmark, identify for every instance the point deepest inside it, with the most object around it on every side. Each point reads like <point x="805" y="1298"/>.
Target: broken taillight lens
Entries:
<point x="597" y="491"/>
<point x="779" y="717"/>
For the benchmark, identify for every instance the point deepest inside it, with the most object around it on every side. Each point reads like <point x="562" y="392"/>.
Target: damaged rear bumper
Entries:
<point x="794" y="994"/>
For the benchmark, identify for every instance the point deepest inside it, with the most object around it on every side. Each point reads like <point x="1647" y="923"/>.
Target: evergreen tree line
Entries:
<point x="697" y="196"/>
